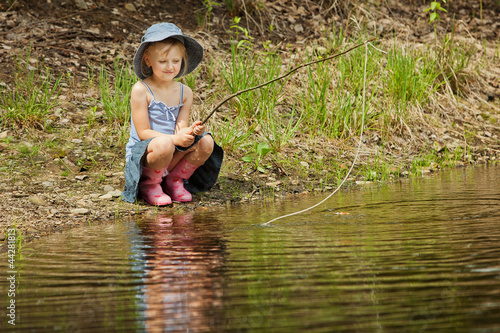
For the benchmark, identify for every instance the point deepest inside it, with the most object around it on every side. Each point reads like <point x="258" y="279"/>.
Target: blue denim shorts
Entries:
<point x="203" y="179"/>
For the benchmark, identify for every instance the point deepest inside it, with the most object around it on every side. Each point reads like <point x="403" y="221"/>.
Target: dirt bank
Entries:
<point x="78" y="178"/>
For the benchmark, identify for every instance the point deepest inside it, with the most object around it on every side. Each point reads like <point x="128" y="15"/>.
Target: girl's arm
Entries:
<point x="183" y="117"/>
<point x="183" y="120"/>
<point x="182" y="127"/>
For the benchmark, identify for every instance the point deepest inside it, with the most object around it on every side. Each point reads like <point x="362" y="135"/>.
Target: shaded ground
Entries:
<point x="66" y="189"/>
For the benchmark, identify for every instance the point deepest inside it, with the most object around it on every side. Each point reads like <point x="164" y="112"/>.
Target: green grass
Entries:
<point x="452" y="60"/>
<point x="280" y="127"/>
<point x="410" y="80"/>
<point x="325" y="100"/>
<point x="115" y="88"/>
<point x="231" y="134"/>
<point x="33" y="94"/>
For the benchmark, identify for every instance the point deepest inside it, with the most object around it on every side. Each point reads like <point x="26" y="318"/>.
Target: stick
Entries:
<point x="282" y="76"/>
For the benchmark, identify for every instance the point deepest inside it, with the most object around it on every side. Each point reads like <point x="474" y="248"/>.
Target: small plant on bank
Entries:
<point x="232" y="7"/>
<point x="92" y="119"/>
<point x="204" y="16"/>
<point x="245" y="40"/>
<point x="20" y="248"/>
<point x="260" y="151"/>
<point x="434" y="8"/>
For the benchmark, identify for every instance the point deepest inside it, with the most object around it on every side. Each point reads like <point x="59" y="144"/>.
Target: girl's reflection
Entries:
<point x="183" y="277"/>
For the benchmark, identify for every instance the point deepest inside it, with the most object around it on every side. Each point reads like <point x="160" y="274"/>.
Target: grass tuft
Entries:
<point x="33" y="94"/>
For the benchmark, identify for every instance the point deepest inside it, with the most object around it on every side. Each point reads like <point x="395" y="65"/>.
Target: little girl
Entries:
<point x="166" y="158"/>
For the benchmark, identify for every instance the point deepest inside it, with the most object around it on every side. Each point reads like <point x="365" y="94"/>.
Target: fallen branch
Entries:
<point x="282" y="76"/>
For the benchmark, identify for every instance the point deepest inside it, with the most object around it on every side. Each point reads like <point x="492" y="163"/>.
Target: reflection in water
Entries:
<point x="183" y="275"/>
<point x="161" y="274"/>
<point x="416" y="256"/>
<point x="77" y="281"/>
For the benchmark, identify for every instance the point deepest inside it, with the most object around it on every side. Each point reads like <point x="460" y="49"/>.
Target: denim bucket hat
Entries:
<point x="161" y="31"/>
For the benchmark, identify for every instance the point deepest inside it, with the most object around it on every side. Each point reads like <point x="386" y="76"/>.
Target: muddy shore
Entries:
<point x="47" y="191"/>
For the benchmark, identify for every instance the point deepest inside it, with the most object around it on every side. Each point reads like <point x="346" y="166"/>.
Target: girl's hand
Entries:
<point x="184" y="137"/>
<point x="198" y="128"/>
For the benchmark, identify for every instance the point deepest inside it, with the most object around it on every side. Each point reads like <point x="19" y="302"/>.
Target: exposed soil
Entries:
<point x="46" y="192"/>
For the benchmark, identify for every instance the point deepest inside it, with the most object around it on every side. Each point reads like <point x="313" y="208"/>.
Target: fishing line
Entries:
<point x="355" y="157"/>
<point x="376" y="48"/>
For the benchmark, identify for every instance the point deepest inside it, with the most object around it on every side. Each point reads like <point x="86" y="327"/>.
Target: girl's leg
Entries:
<point x="159" y="155"/>
<point x="183" y="165"/>
<point x="204" y="149"/>
<point x="196" y="155"/>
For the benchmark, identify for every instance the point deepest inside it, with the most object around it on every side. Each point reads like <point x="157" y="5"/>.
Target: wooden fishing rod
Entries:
<point x="283" y="76"/>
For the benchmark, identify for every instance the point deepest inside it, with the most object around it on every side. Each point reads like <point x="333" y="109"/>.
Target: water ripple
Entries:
<point x="420" y="256"/>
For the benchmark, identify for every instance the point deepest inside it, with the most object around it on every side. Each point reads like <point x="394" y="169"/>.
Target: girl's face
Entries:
<point x="165" y="60"/>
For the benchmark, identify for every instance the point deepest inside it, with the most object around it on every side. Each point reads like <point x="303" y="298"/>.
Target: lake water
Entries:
<point x="420" y="255"/>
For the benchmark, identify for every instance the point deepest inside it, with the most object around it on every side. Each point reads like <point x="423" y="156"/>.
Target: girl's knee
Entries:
<point x="162" y="146"/>
<point x="206" y="144"/>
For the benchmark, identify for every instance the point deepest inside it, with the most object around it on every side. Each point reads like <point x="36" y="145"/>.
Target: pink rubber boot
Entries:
<point x="174" y="183"/>
<point x="150" y="187"/>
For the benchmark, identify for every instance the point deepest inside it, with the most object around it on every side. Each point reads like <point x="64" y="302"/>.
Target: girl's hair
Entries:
<point x="170" y="42"/>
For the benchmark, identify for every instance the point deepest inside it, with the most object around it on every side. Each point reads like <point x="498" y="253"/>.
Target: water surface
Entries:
<point x="420" y="255"/>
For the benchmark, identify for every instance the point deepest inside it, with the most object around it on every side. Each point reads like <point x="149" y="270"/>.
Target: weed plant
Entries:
<point x="231" y="134"/>
<point x="204" y="16"/>
<point x="34" y="93"/>
<point x="115" y="91"/>
<point x="453" y="59"/>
